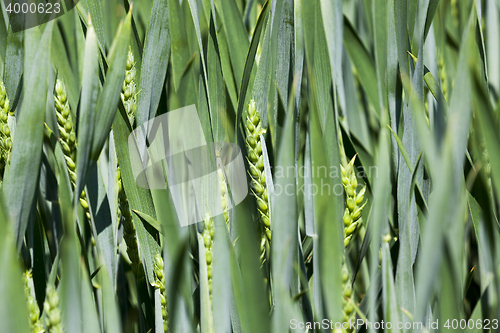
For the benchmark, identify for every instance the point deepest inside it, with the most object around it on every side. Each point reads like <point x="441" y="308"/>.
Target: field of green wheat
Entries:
<point x="369" y="137"/>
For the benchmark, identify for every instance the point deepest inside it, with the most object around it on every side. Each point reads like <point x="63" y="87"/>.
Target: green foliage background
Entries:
<point x="411" y="88"/>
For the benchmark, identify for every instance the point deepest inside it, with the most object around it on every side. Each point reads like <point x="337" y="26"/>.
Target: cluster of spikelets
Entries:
<point x="352" y="213"/>
<point x="160" y="284"/>
<point x="223" y="195"/>
<point x="347" y="307"/>
<point x="5" y="138"/>
<point x="256" y="165"/>
<point x="67" y="136"/>
<point x="208" y="241"/>
<point x="129" y="88"/>
<point x="442" y="75"/>
<point x="52" y="311"/>
<point x="352" y="221"/>
<point x="34" y="312"/>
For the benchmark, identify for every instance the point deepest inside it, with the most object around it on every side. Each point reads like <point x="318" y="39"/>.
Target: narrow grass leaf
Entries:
<point x="13" y="64"/>
<point x="391" y="307"/>
<point x="179" y="41"/>
<point x="363" y="62"/>
<point x="262" y="83"/>
<point x="61" y="61"/>
<point x="87" y="114"/>
<point x="327" y="218"/>
<point x="27" y="149"/>
<point x="219" y="116"/>
<point x="250" y="60"/>
<point x="108" y="98"/>
<point x="95" y="10"/>
<point x="139" y="198"/>
<point x="154" y="61"/>
<point x="284" y="248"/>
<point x="237" y="37"/>
<point x="13" y="314"/>
<point x="333" y="24"/>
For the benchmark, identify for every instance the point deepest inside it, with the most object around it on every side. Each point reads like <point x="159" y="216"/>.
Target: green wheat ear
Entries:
<point x="442" y="75"/>
<point x="224" y="196"/>
<point x="255" y="160"/>
<point x="347" y="307"/>
<point x="129" y="89"/>
<point x="67" y="137"/>
<point x="352" y="213"/>
<point x="52" y="311"/>
<point x="5" y="137"/>
<point x="352" y="220"/>
<point x="34" y="312"/>
<point x="160" y="284"/>
<point x="223" y="191"/>
<point x="208" y="240"/>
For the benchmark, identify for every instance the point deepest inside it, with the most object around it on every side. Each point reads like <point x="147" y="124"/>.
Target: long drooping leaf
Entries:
<point x="363" y="62"/>
<point x="236" y="36"/>
<point x="284" y="247"/>
<point x="22" y="176"/>
<point x="13" y="314"/>
<point x="154" y="62"/>
<point x="109" y="96"/>
<point x="333" y="23"/>
<point x="249" y="65"/>
<point x="139" y="198"/>
<point x="327" y="217"/>
<point x="14" y="64"/>
<point x="95" y="10"/>
<point x="179" y="41"/>
<point x="260" y="90"/>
